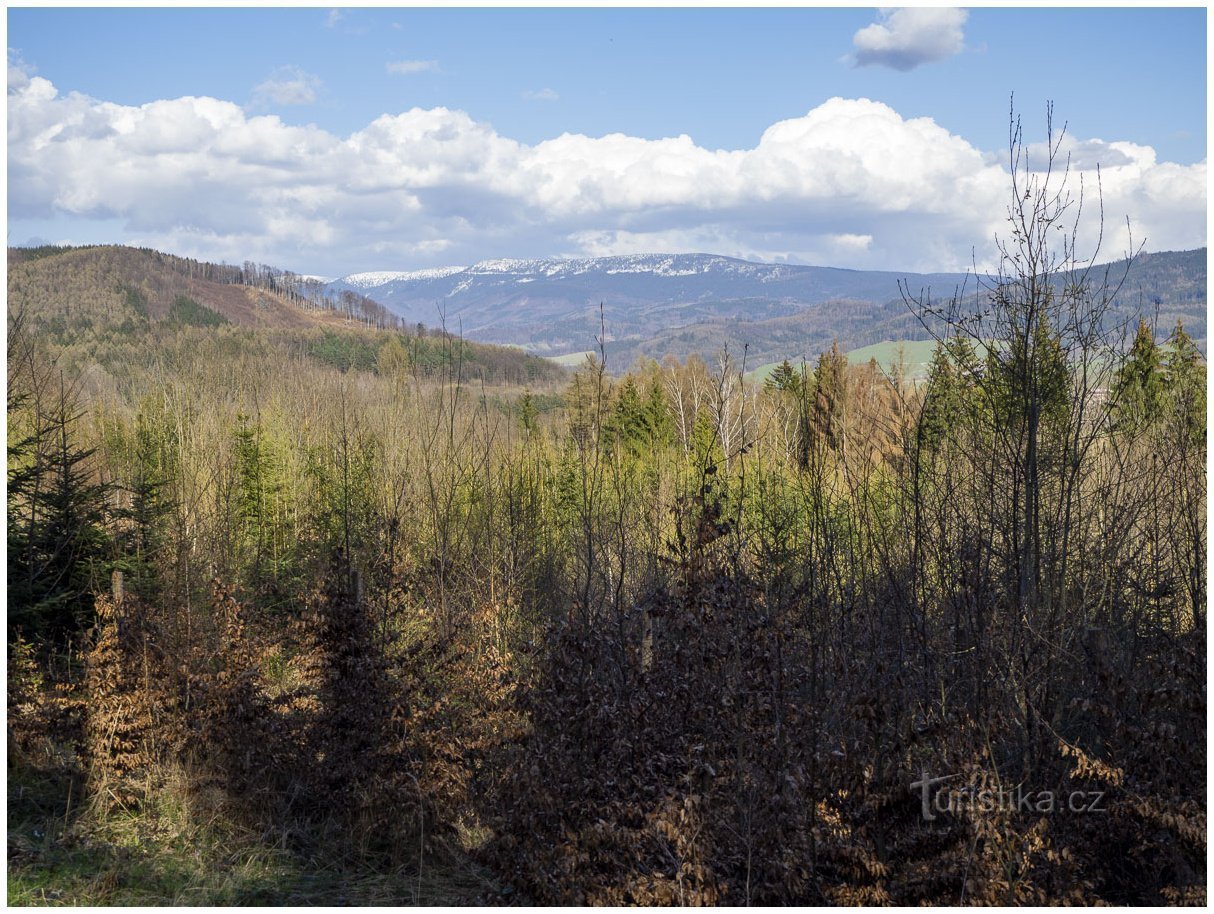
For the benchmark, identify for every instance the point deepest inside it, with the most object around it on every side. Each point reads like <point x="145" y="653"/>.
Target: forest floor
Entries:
<point x="165" y="854"/>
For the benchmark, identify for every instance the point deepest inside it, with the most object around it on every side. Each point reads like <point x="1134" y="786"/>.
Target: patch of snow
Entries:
<point x="383" y="277"/>
<point x="510" y="270"/>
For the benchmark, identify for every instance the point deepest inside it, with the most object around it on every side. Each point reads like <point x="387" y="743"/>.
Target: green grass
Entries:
<point x="141" y="862"/>
<point x="917" y="353"/>
<point x="98" y="871"/>
<point x="171" y="853"/>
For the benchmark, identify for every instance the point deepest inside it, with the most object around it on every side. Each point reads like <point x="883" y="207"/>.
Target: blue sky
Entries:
<point x="510" y="83"/>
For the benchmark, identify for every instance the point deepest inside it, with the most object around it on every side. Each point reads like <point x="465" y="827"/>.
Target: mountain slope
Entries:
<point x="656" y="304"/>
<point x="553" y="305"/>
<point x="102" y="300"/>
<point x="114" y="285"/>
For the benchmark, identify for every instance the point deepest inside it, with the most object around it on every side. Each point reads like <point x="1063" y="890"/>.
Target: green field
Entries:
<point x="570" y="360"/>
<point x="917" y="353"/>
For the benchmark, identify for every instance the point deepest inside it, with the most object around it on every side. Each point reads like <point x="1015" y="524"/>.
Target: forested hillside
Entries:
<point x="109" y="315"/>
<point x="304" y="609"/>
<point x="72" y="290"/>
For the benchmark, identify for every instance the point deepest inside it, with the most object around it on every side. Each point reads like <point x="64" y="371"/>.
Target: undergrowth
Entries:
<point x="171" y="852"/>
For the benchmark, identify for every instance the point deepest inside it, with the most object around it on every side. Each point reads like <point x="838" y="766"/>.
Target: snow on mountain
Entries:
<point x="657" y="265"/>
<point x="665" y="279"/>
<point x="377" y="278"/>
<point x="542" y="301"/>
<point x="685" y="300"/>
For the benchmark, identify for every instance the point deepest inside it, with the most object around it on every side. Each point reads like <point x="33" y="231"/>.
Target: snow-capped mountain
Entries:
<point x="684" y="302"/>
<point x="551" y="305"/>
<point x="378" y="278"/>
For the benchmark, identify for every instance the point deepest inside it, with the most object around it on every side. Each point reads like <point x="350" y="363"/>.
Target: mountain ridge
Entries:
<point x="680" y="303"/>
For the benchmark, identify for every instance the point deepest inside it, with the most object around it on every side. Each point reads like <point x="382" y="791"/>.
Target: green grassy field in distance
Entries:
<point x="918" y="354"/>
<point x="571" y="359"/>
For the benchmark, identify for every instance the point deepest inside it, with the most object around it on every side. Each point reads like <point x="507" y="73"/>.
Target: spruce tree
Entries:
<point x="1184" y="386"/>
<point x="57" y="523"/>
<point x="828" y="412"/>
<point x="1137" y="391"/>
<point x="149" y="508"/>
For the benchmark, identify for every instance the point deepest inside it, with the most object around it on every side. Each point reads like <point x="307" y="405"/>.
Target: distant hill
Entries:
<point x="552" y="306"/>
<point x="88" y="298"/>
<point x="653" y="304"/>
<point x="113" y="285"/>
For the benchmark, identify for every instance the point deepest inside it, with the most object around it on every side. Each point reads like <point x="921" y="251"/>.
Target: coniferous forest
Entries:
<point x="305" y="606"/>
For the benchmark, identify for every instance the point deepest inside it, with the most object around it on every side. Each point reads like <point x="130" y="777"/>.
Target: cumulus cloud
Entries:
<point x="334" y="16"/>
<point x="851" y="183"/>
<point x="541" y="95"/>
<point x="1083" y="154"/>
<point x="409" y="67"/>
<point x="905" y="38"/>
<point x="19" y="72"/>
<point x="287" y="86"/>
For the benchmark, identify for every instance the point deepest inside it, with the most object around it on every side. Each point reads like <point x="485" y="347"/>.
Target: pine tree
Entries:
<point x="57" y="524"/>
<point x="784" y="378"/>
<point x="949" y="394"/>
<point x="258" y="490"/>
<point x="528" y="412"/>
<point x="939" y="402"/>
<point x="829" y="409"/>
<point x="1184" y="383"/>
<point x="657" y="416"/>
<point x="1137" y="390"/>
<point x="637" y="424"/>
<point x="149" y="509"/>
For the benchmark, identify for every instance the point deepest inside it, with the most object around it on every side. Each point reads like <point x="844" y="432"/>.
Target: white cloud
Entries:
<point x="19" y="72"/>
<point x="851" y="183"/>
<point x="541" y="95"/>
<point x="905" y="38"/>
<point x="408" y="67"/>
<point x="848" y="241"/>
<point x="1084" y="154"/>
<point x="335" y="16"/>
<point x="287" y="86"/>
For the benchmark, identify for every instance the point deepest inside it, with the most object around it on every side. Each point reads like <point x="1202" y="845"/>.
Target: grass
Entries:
<point x="171" y="853"/>
<point x="571" y="359"/>
<point x="918" y="354"/>
<point x="110" y="867"/>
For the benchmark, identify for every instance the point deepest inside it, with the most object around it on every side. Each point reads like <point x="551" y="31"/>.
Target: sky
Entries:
<point x="331" y="141"/>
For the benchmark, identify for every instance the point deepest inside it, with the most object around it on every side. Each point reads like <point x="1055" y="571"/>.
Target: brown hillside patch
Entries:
<point x="100" y="285"/>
